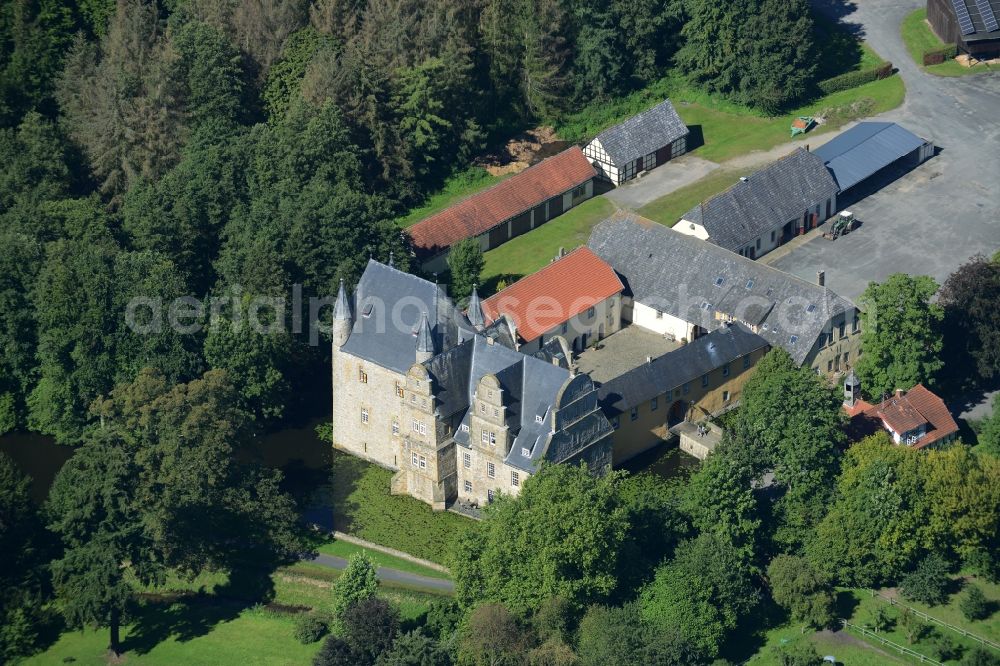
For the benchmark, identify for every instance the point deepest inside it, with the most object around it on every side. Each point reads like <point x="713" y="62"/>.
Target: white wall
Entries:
<point x="666" y="324"/>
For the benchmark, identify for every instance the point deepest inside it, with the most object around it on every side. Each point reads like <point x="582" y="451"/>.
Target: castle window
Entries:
<point x="634" y="414"/>
<point x="725" y="370"/>
<point x="364" y="415"/>
<point x="496" y="412"/>
<point x="704" y="380"/>
<point x="725" y="396"/>
<point x="423" y="462"/>
<point x="843" y="330"/>
<point x="467" y="460"/>
<point x="829" y="365"/>
<point x="362" y="376"/>
<point x="491" y="470"/>
<point x="846" y="357"/>
<point x="855" y="325"/>
<point x="423" y="428"/>
<point x="399" y="390"/>
<point x="395" y="427"/>
<point x="515" y="479"/>
<point x="468" y="486"/>
<point x="415" y="425"/>
<point x="482" y="409"/>
<point x="654" y="404"/>
<point x="615" y="422"/>
<point x="687" y="388"/>
<point x="746" y="362"/>
<point x="413" y="459"/>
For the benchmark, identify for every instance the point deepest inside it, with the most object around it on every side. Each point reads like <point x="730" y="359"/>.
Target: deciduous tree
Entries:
<point x="970" y="297"/>
<point x="358" y="583"/>
<point x="802" y="590"/>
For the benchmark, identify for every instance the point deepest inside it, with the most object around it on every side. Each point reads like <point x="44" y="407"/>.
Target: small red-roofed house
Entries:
<point x="577" y="296"/>
<point x="917" y="418"/>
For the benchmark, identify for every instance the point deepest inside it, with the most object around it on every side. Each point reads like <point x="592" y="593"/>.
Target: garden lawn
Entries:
<point x="668" y="210"/>
<point x="531" y="251"/>
<point x="918" y="37"/>
<point x="950" y="612"/>
<point x="456" y="188"/>
<point x="363" y="507"/>
<point x="846" y="650"/>
<point x="346" y="550"/>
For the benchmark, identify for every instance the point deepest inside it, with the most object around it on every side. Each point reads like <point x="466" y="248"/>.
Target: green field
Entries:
<point x="526" y="254"/>
<point x="346" y="550"/>
<point x="918" y="37"/>
<point x="667" y="210"/>
<point x="456" y="188"/>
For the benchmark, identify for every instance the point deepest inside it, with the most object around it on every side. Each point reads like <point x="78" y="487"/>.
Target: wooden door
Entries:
<point x="663" y="155"/>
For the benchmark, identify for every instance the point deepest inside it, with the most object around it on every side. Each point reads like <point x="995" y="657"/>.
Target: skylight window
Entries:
<point x="750" y="283"/>
<point x="719" y="281"/>
<point x="811" y="308"/>
<point x="705" y="305"/>
<point x="770" y="290"/>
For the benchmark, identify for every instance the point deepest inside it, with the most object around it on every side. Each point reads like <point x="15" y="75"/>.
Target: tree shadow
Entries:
<point x="750" y="636"/>
<point x="492" y="285"/>
<point x="838" y="10"/>
<point x="846" y="603"/>
<point x="158" y="620"/>
<point x="839" y="49"/>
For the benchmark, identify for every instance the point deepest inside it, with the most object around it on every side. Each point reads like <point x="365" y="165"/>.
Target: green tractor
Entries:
<point x="843" y="225"/>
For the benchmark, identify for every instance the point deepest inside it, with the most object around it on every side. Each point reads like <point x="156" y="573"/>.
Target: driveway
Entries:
<point x="391" y="575"/>
<point x="661" y="181"/>
<point x="935" y="217"/>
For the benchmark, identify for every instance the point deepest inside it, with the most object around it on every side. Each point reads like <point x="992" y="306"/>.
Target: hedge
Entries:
<point x="938" y="56"/>
<point x="855" y="79"/>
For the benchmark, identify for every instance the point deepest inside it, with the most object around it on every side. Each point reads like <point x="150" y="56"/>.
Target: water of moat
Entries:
<point x="304" y="458"/>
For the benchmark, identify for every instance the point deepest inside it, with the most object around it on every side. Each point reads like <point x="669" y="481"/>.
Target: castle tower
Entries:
<point x="341" y="318"/>
<point x="425" y="341"/>
<point x="475" y="311"/>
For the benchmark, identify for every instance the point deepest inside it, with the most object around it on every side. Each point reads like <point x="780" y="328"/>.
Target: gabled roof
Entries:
<point x="555" y="294"/>
<point x="389" y="305"/>
<point x="678" y="367"/>
<point x="777" y="194"/>
<point x="862" y="150"/>
<point x="691" y="279"/>
<point x="980" y="13"/>
<point x="508" y="198"/>
<point x="643" y="133"/>
<point x="904" y="413"/>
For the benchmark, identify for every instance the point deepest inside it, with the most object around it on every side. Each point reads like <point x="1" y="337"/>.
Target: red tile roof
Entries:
<point x="902" y="413"/>
<point x="555" y="294"/>
<point x="508" y="198"/>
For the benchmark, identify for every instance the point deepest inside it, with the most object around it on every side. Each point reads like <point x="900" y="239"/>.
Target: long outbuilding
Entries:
<point x="867" y="148"/>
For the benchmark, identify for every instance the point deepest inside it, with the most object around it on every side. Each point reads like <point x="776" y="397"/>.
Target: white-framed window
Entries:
<point x="364" y="415"/>
<point x="725" y="370"/>
<point x="515" y="479"/>
<point x="539" y="418"/>
<point x="496" y="413"/>
<point x="704" y="380"/>
<point x="654" y="404"/>
<point x="467" y="460"/>
<point x="415" y="425"/>
<point x="725" y="396"/>
<point x="395" y="427"/>
<point x="423" y="462"/>
<point x="482" y="409"/>
<point x="634" y="413"/>
<point x="468" y="486"/>
<point x="526" y="452"/>
<point x="422" y="427"/>
<point x="491" y="470"/>
<point x="465" y="427"/>
<point x="414" y="459"/>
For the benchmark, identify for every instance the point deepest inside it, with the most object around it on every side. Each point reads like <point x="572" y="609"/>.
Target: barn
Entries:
<point x="510" y="208"/>
<point x="868" y="149"/>
<point x="644" y="141"/>
<point x="974" y="25"/>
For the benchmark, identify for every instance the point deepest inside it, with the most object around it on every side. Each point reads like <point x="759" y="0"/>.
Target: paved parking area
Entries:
<point x="661" y="181"/>
<point x="935" y="217"/>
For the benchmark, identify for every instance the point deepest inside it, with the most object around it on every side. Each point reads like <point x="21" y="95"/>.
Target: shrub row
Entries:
<point x="938" y="56"/>
<point x="855" y="79"/>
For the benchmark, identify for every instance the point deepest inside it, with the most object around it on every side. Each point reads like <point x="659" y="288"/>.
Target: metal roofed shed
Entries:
<point x="869" y="147"/>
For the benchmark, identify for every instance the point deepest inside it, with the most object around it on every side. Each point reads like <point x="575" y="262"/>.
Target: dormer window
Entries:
<point x="525" y="452"/>
<point x="367" y="311"/>
<point x="539" y="418"/>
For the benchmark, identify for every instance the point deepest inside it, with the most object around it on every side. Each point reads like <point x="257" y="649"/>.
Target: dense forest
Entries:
<point x="229" y="150"/>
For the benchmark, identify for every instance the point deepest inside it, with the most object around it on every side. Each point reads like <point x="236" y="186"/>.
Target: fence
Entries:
<point x="930" y="618"/>
<point x="902" y="649"/>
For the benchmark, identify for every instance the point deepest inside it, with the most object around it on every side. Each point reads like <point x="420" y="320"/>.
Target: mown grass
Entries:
<point x="455" y="188"/>
<point x="533" y="250"/>
<point x="346" y="550"/>
<point x="362" y="506"/>
<point x="668" y="210"/>
<point x="918" y="37"/>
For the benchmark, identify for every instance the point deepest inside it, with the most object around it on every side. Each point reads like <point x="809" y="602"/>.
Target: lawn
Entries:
<point x="950" y="613"/>
<point x="362" y="506"/>
<point x="918" y="37"/>
<point x="669" y="209"/>
<point x="530" y="252"/>
<point x="455" y="188"/>
<point x="346" y="550"/>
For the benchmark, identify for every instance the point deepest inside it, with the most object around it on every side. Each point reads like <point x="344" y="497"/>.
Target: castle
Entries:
<point x="448" y="402"/>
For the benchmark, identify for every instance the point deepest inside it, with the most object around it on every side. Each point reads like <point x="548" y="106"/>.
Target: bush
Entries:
<point x="984" y="565"/>
<point x="939" y="55"/>
<point x="929" y="582"/>
<point x="851" y="80"/>
<point x="310" y="627"/>
<point x="797" y="654"/>
<point x="980" y="657"/>
<point x="974" y="605"/>
<point x="943" y="648"/>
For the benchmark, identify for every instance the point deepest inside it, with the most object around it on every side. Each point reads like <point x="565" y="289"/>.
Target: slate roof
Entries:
<point x="916" y="407"/>
<point x="508" y="198"/>
<point x="770" y="198"/>
<point x="643" y="133"/>
<point x="864" y="149"/>
<point x="530" y="385"/>
<point x="691" y="279"/>
<point x="388" y="307"/>
<point x="673" y="369"/>
<point x="562" y="290"/>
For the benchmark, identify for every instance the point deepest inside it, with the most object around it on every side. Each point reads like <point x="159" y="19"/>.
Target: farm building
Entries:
<point x="642" y="142"/>
<point x="973" y="25"/>
<point x="770" y="207"/>
<point x="867" y="148"/>
<point x="682" y="287"/>
<point x="576" y="297"/>
<point x="509" y="208"/>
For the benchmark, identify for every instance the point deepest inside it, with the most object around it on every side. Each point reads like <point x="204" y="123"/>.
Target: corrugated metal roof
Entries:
<point x="864" y="149"/>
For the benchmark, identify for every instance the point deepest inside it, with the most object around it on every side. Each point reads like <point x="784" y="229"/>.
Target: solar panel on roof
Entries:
<point x="964" y="20"/>
<point x="989" y="18"/>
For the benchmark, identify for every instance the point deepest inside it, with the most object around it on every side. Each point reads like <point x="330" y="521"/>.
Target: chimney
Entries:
<point x="821" y="278"/>
<point x="899" y="393"/>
